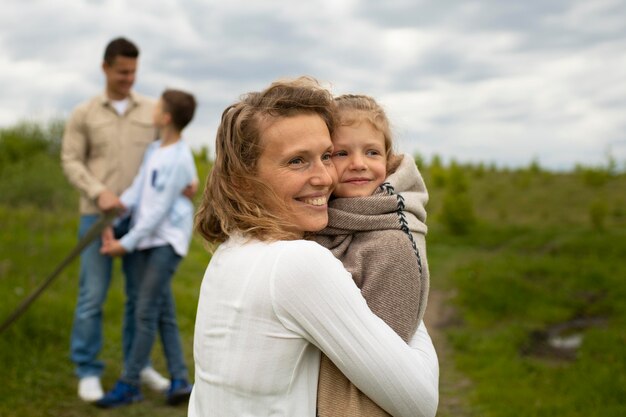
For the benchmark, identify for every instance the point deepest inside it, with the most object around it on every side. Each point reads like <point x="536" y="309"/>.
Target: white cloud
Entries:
<point x="486" y="80"/>
<point x="594" y="17"/>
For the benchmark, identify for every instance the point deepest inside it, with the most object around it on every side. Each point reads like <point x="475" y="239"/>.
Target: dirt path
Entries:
<point x="453" y="386"/>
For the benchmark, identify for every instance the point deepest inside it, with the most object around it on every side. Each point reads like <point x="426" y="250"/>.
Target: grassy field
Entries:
<point x="520" y="253"/>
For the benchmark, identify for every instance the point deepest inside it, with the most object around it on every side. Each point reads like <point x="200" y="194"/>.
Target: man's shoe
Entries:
<point x="121" y="394"/>
<point x="90" y="389"/>
<point x="179" y="391"/>
<point x="153" y="379"/>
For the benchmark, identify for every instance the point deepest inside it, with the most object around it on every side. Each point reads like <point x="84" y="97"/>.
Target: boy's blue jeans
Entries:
<point x="155" y="310"/>
<point x="95" y="277"/>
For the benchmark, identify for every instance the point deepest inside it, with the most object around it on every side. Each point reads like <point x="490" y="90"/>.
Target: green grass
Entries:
<point x="536" y="257"/>
<point x="38" y="227"/>
<point x="542" y="248"/>
<point x="37" y="374"/>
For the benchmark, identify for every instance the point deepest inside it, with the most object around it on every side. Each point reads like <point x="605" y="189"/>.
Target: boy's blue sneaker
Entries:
<point x="179" y="391"/>
<point x="121" y="394"/>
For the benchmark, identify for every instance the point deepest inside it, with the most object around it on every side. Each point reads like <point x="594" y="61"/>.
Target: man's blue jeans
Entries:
<point x="155" y="310"/>
<point x="95" y="277"/>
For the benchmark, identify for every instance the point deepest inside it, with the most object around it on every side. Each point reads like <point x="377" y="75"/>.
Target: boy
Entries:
<point x="161" y="227"/>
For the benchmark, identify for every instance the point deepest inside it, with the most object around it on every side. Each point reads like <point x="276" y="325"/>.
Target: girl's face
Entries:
<point x="360" y="158"/>
<point x="296" y="163"/>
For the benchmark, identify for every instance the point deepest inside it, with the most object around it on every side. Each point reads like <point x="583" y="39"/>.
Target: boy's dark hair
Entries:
<point x="180" y="105"/>
<point x="120" y="47"/>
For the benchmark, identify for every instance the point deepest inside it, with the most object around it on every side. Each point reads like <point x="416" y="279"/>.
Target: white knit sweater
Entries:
<point x="266" y="310"/>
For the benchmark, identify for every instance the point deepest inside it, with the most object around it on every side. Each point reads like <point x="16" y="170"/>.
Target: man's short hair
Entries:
<point x="120" y="47"/>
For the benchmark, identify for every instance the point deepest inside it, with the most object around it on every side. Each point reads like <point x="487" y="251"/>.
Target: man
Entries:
<point x="103" y="146"/>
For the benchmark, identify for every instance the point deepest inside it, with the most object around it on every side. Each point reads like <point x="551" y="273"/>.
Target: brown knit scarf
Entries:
<point x="380" y="240"/>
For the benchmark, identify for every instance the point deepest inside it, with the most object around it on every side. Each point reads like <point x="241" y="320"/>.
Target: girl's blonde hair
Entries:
<point x="356" y="108"/>
<point x="231" y="203"/>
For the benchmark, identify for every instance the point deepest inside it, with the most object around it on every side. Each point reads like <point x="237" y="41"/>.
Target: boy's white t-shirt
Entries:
<point x="148" y="196"/>
<point x="162" y="214"/>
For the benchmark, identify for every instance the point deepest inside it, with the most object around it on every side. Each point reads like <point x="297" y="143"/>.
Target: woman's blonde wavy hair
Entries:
<point x="231" y="202"/>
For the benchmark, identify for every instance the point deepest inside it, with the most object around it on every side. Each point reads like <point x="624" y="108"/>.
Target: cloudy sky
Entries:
<point x="495" y="81"/>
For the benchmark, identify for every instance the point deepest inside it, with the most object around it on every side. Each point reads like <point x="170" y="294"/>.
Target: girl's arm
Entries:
<point x="315" y="297"/>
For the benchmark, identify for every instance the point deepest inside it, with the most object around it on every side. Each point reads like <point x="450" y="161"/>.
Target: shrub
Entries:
<point x="598" y="212"/>
<point x="30" y="167"/>
<point x="202" y="155"/>
<point x="457" y="212"/>
<point x="534" y="167"/>
<point x="479" y="170"/>
<point x="593" y="176"/>
<point x="419" y="161"/>
<point x="458" y="181"/>
<point x="25" y="140"/>
<point x="437" y="172"/>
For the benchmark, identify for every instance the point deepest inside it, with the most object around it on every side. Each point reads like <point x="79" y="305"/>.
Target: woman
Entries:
<point x="270" y="300"/>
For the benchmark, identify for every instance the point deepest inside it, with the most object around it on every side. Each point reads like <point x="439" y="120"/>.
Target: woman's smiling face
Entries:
<point x="296" y="164"/>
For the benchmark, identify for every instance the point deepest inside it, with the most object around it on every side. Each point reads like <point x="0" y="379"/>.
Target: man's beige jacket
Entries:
<point x="103" y="150"/>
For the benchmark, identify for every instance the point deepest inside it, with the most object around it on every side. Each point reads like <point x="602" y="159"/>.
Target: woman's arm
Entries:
<point x="421" y="341"/>
<point x="315" y="297"/>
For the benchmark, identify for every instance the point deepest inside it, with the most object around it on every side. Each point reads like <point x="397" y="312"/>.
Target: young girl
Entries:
<point x="376" y="228"/>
